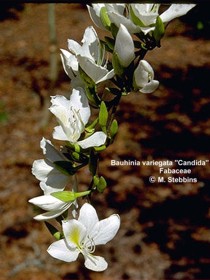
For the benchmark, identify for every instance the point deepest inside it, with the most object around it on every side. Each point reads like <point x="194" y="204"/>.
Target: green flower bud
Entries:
<point x="101" y="184"/>
<point x="68" y="196"/>
<point x="113" y="128"/>
<point x="103" y="116"/>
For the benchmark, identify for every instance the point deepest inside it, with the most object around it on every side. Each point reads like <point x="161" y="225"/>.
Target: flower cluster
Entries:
<point x="117" y="65"/>
<point x="135" y="17"/>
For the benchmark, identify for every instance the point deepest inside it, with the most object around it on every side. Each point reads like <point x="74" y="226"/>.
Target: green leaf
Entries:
<point x="105" y="18"/>
<point x="114" y="29"/>
<point x="103" y="116"/>
<point x="68" y="196"/>
<point x="159" y="30"/>
<point x="66" y="167"/>
<point x="109" y="42"/>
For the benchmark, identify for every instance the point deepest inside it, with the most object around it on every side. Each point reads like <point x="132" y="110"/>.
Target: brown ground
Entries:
<point x="165" y="227"/>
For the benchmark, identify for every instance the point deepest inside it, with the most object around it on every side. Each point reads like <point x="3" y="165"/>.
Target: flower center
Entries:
<point x="76" y="123"/>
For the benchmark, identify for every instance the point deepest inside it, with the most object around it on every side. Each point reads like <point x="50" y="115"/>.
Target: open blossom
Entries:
<point x="116" y="14"/>
<point x="148" y="13"/>
<point x="89" y="56"/>
<point x="144" y="78"/>
<point x="73" y="115"/>
<point x="82" y="235"/>
<point x="51" y="179"/>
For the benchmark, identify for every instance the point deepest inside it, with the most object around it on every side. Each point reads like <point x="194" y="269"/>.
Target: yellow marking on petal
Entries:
<point x="74" y="236"/>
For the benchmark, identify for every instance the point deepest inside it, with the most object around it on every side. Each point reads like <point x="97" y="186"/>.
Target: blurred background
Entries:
<point x="164" y="230"/>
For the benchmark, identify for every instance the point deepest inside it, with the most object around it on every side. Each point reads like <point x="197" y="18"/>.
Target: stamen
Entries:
<point x="89" y="245"/>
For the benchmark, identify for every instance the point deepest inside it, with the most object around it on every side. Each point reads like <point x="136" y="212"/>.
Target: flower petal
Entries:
<point x="51" y="153"/>
<point x="74" y="232"/>
<point x="49" y="203"/>
<point x="54" y="206"/>
<point x="124" y="46"/>
<point x="146" y="13"/>
<point x="59" y="134"/>
<point x="94" y="13"/>
<point x="41" y="169"/>
<point x="50" y="177"/>
<point x="95" y="140"/>
<point x="70" y="63"/>
<point x="73" y="46"/>
<point x="88" y="216"/>
<point x="95" y="263"/>
<point x="105" y="230"/>
<point x="60" y="108"/>
<point x="150" y="87"/>
<point x="176" y="10"/>
<point x="118" y="19"/>
<point x="79" y="103"/>
<point x="50" y="214"/>
<point x="60" y="251"/>
<point x="96" y="72"/>
<point x="90" y="44"/>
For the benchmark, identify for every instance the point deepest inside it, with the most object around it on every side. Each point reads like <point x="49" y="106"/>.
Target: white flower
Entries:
<point x="89" y="56"/>
<point x="148" y="13"/>
<point x="82" y="235"/>
<point x="136" y="17"/>
<point x="72" y="116"/>
<point x="95" y="12"/>
<point x="124" y="46"/>
<point x="119" y="16"/>
<point x="54" y="206"/>
<point x="144" y="78"/>
<point x="51" y="178"/>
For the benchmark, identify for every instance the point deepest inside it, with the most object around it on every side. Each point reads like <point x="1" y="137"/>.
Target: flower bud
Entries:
<point x="124" y="46"/>
<point x="144" y="78"/>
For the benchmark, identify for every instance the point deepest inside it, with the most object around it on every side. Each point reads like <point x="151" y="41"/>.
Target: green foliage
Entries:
<point x="159" y="31"/>
<point x="118" y="68"/>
